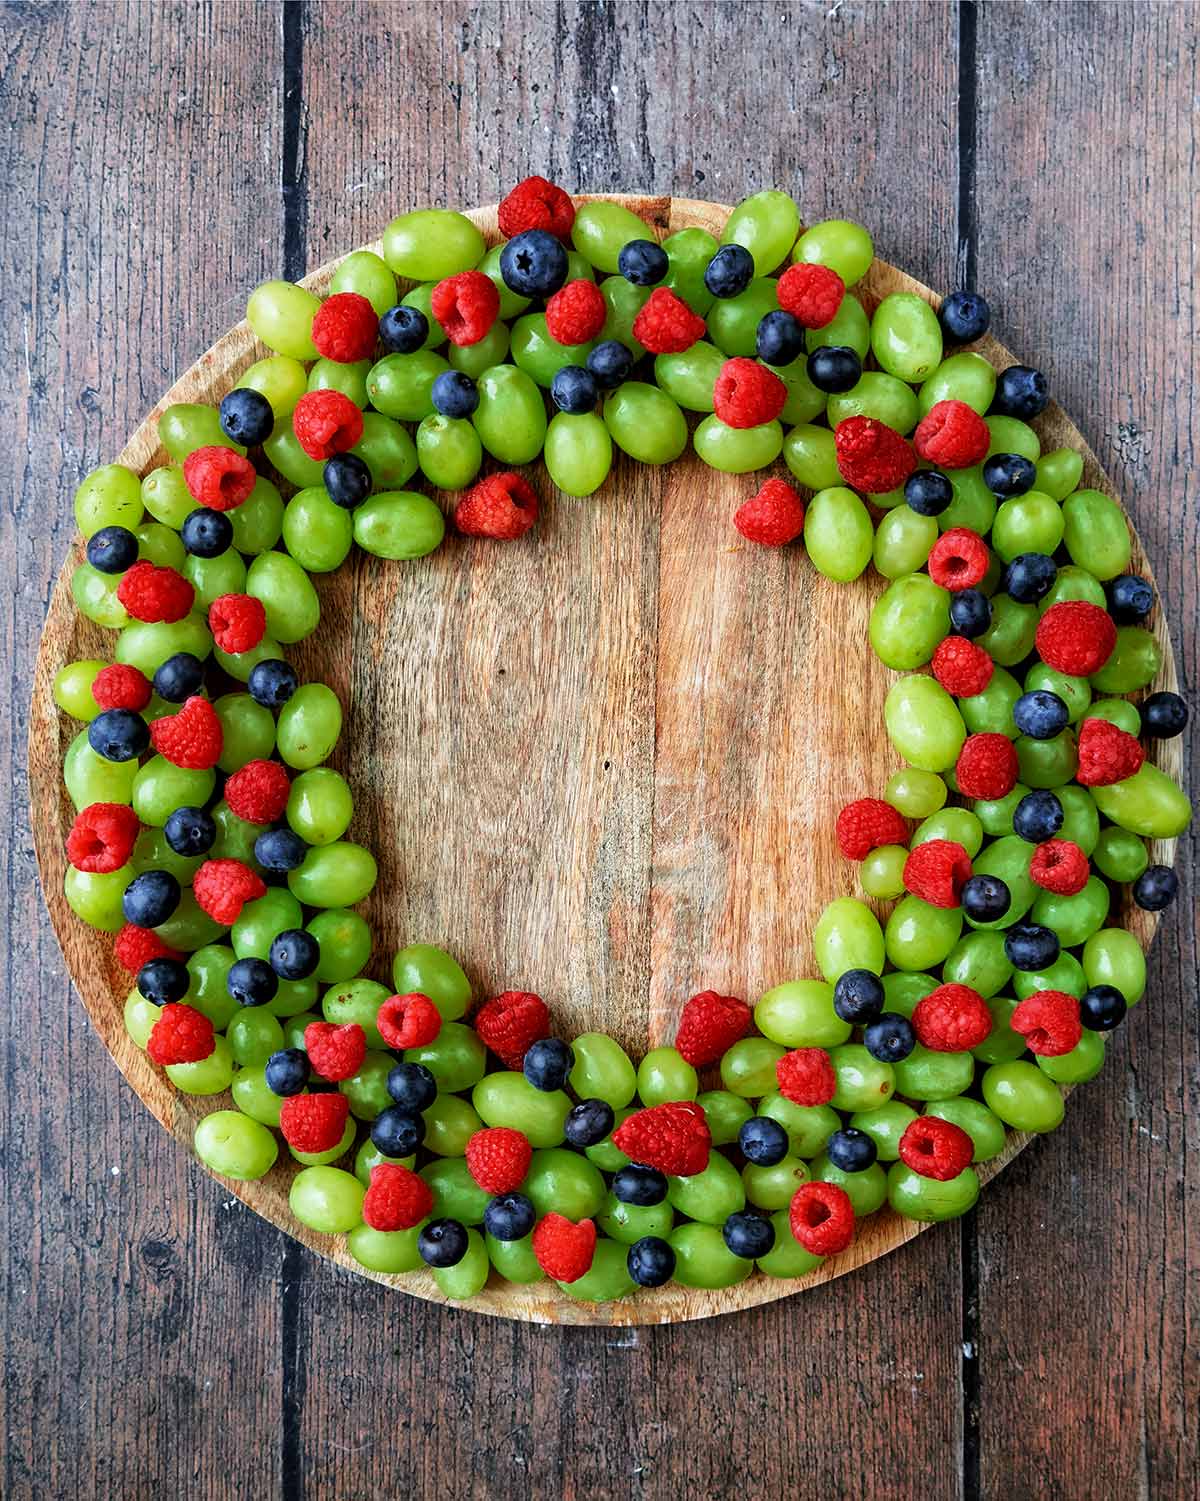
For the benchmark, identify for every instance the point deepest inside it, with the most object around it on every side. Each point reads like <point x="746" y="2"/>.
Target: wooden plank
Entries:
<point x="1088" y="233"/>
<point x="139" y="1299"/>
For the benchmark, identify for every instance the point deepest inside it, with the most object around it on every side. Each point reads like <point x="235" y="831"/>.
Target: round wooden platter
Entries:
<point x="599" y="764"/>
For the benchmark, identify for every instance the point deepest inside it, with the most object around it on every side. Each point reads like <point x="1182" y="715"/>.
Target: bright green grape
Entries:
<point x="213" y="577"/>
<point x="915" y="794"/>
<point x="1059" y="472"/>
<point x="402" y="525"/>
<point x="880" y="396"/>
<point x="248" y="730"/>
<point x="1120" y="855"/>
<point x="842" y="245"/>
<point x="450" y="1122"/>
<point x="811" y="454"/>
<point x="253" y="1035"/>
<point x="1022" y="1096"/>
<point x="923" y="723"/>
<point x="808" y="1127"/>
<point x="982" y="1125"/>
<point x="95" y="896"/>
<point x="234" y="1146"/>
<point x="474" y="359"/>
<point x="508" y="1099"/>
<point x="688" y="378"/>
<point x="449" y="451"/>
<point x="309" y="725"/>
<point x="95" y="597"/>
<point x="367" y="1090"/>
<point x="108" y="496"/>
<point x="511" y="416"/>
<point x="578" y="452"/>
<point x="160" y="545"/>
<point x="563" y="1182"/>
<point x="327" y="1199"/>
<point x="645" y="423"/>
<point x="602" y="1070"/>
<point x="664" y="1074"/>
<point x="146" y="645"/>
<point x="710" y="1196"/>
<point x="261" y="921"/>
<point x="689" y="252"/>
<point x="725" y="1113"/>
<point x="863" y="1082"/>
<point x="849" y="328"/>
<point x="903" y="542"/>
<point x="345" y="943"/>
<point x="774" y="1187"/>
<point x="965" y="377"/>
<point x="430" y="244"/>
<point x="432" y="972"/>
<point x="316" y="532"/>
<point x="906" y="337"/>
<point x="90" y="778"/>
<point x="838" y="534"/>
<point x="401" y="385"/>
<point x="1147" y="803"/>
<point x="627" y="1223"/>
<point x="737" y="450"/>
<point x="456" y="1057"/>
<point x="885" y="1125"/>
<point x="847" y="936"/>
<point x="800" y="1014"/>
<point x="978" y="960"/>
<point x="733" y="321"/>
<point x="540" y="355"/>
<point x="160" y="787"/>
<point x="920" y="937"/>
<point x="910" y="618"/>
<point x="919" y="1198"/>
<point x="1135" y="662"/>
<point x="1096" y="533"/>
<point x="882" y="872"/>
<point x="1083" y="1062"/>
<point x="1074" y="918"/>
<point x="1113" y="956"/>
<point x="766" y="224"/>
<point x="391" y="1251"/>
<point x="748" y="1067"/>
<point x="281" y="315"/>
<point x="702" y="1258"/>
<point x="280" y="378"/>
<point x="925" y="1075"/>
<point x="602" y="230"/>
<point x="363" y="272"/>
<point x="455" y="1192"/>
<point x="334" y="875"/>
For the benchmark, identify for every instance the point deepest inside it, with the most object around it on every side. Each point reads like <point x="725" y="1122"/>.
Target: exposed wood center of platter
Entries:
<point x="603" y="762"/>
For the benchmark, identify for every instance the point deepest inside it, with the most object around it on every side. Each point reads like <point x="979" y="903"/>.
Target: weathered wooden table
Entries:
<point x="159" y="160"/>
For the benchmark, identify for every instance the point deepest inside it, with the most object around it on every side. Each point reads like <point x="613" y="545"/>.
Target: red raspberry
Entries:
<point x="747" y="394"/>
<point x="806" y="1076"/>
<point x="120" y="687"/>
<point x="314" y="1122"/>
<point x="959" y="559"/>
<point x="511" y="1023"/>
<point x="193" y="738"/>
<point x="396" y="1199"/>
<point x="498" y="1158"/>
<point x="345" y="328"/>
<point x="986" y="766"/>
<point x="335" y="1052"/>
<point x="822" y="1218"/>
<point x="866" y="824"/>
<point x="408" y="1021"/>
<point x="935" y="1148"/>
<point x="502" y="506"/>
<point x="576" y="313"/>
<point x="102" y="837"/>
<point x="1107" y="754"/>
<point x="238" y="622"/>
<point x="218" y="478"/>
<point x="223" y="887"/>
<point x="326" y="422"/>
<point x="773" y="517"/>
<point x="258" y="792"/>
<point x="937" y="871"/>
<point x="137" y="946"/>
<point x="952" y="435"/>
<point x="466" y="306"/>
<point x="666" y="325"/>
<point x="871" y="456"/>
<point x="181" y="1035"/>
<point x="673" y="1137"/>
<point x="564" y="1251"/>
<point x="152" y="594"/>
<point x="711" y="1024"/>
<point x="536" y="204"/>
<point x="811" y="293"/>
<point x="1076" y="637"/>
<point x="952" y="1019"/>
<point x="1060" y="866"/>
<point x="963" y="668"/>
<point x="1049" y="1022"/>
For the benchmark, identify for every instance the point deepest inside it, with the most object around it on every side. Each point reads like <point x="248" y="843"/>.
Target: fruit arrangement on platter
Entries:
<point x="453" y="1139"/>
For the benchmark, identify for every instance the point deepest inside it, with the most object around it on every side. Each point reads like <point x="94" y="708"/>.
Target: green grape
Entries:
<point x="688" y="253"/>
<point x="189" y="928"/>
<point x="808" y="1127"/>
<point x="607" y="1277"/>
<point x="1028" y="523"/>
<point x="1147" y="803"/>
<point x="603" y="229"/>
<point x="514" y="1259"/>
<point x="991" y="712"/>
<point x="189" y="425"/>
<point x="774" y="1187"/>
<point x="982" y="1125"/>
<point x="280" y="378"/>
<point x="927" y="1199"/>
<point x="449" y="1124"/>
<point x="627" y="1223"/>
<point x="800" y="1014"/>
<point x="511" y="416"/>
<point x="73" y="688"/>
<point x="702" y="1258"/>
<point x="910" y="618"/>
<point x="466" y="1277"/>
<point x="320" y="805"/>
<point x="281" y="315"/>
<point x="1073" y="583"/>
<point x="711" y="1195"/>
<point x="95" y="597"/>
<point x="508" y="1099"/>
<point x="847" y="936"/>
<point x="973" y="506"/>
<point x="152" y="852"/>
<point x="737" y="450"/>
<point x="1081" y="820"/>
<point x="293" y="998"/>
<point x="733" y="321"/>
<point x="356" y="1000"/>
<point x="1076" y="693"/>
<point x="159" y="788"/>
<point x="239" y="665"/>
<point x="456" y="1057"/>
<point x="146" y="645"/>
<point x="430" y="244"/>
<point x="95" y="896"/>
<point x="882" y="872"/>
<point x="327" y="1199"/>
<point x="978" y="960"/>
<point x="866" y="1190"/>
<point x="234" y="1146"/>
<point x="725" y="1113"/>
<point x="805" y="402"/>
<point x="811" y="454"/>
<point x="1011" y="435"/>
<point x="841" y="244"/>
<point x="1066" y="973"/>
<point x="645" y="423"/>
<point x="903" y="542"/>
<point x="540" y="355"/>
<point x="421" y="298"/>
<point x="254" y="1097"/>
<point x="368" y="1157"/>
<point x="965" y="376"/>
<point x="363" y="272"/>
<point x="849" y="328"/>
<point x="213" y="577"/>
<point x="108" y="496"/>
<point x="1074" y="918"/>
<point x="602" y="1070"/>
<point x="903" y="989"/>
<point x="1118" y="711"/>
<point x="1113" y="956"/>
<point x="432" y="972"/>
<point x="390" y="1251"/>
<point x="925" y="1075"/>
<point x="1047" y="763"/>
<point x="283" y="449"/>
<point x="689" y="378"/>
<point x="1059" y="472"/>
<point x="90" y="778"/>
<point x="293" y="609"/>
<point x="748" y="1067"/>
<point x="562" y="1181"/>
<point x="918" y="936"/>
<point x="160" y="545"/>
<point x="309" y="725"/>
<point x="399" y="526"/>
<point x="863" y="1082"/>
<point x="349" y="379"/>
<point x="1083" y="1062"/>
<point x="510" y="303"/>
<point x="209" y="968"/>
<point x="787" y="1258"/>
<point x="247" y="729"/>
<point x="1002" y="1044"/>
<point x="474" y="359"/>
<point x="401" y="385"/>
<point x="664" y="1074"/>
<point x="139" y="1016"/>
<point x="624" y="302"/>
<point x="838" y="534"/>
<point x="1022" y="1096"/>
<point x="387" y="450"/>
<point x="253" y="1035"/>
<point x="1135" y="662"/>
<point x="1007" y="857"/>
<point x="261" y="921"/>
<point x="605" y="1154"/>
<point x="1120" y="855"/>
<point x="235" y="837"/>
<point x="915" y="794"/>
<point x="334" y="875"/>
<point x="449" y="451"/>
<point x="876" y="395"/>
<point x="345" y="943"/>
<point x="367" y="1089"/>
<point x="455" y="1192"/>
<point x="906" y="337"/>
<point x="166" y="496"/>
<point x="1009" y="638"/>
<point x="316" y="532"/>
<point x="885" y="1125"/>
<point x="766" y="224"/>
<point x="294" y="1028"/>
<point x="923" y="723"/>
<point x="578" y="452"/>
<point x="1096" y="534"/>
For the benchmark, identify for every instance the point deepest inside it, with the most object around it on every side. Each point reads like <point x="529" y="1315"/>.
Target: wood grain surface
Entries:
<point x="312" y="1346"/>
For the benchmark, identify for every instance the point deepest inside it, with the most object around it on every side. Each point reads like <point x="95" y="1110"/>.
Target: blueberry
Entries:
<point x="1037" y="817"/>
<point x="397" y="1132"/>
<point x="610" y="362"/>
<point x="834" y="367"/>
<point x="1101" y="1008"/>
<point x="118" y="735"/>
<point x="779" y="338"/>
<point x="294" y="954"/>
<point x="1130" y="598"/>
<point x="442" y="1242"/>
<point x="643" y="262"/>
<point x="730" y="271"/>
<point x="509" y="1216"/>
<point x="588" y="1122"/>
<point x="970" y="613"/>
<point x="412" y="1086"/>
<point x="163" y="981"/>
<point x="851" y="1150"/>
<point x="533" y="264"/>
<point x="928" y="492"/>
<point x="272" y="682"/>
<point x="206" y="533"/>
<point x="150" y="898"/>
<point x="1041" y="714"/>
<point x="1156" y="888"/>
<point x="280" y="849"/>
<point x="1030" y="947"/>
<point x="252" y="982"/>
<point x="179" y="677"/>
<point x="1009" y="474"/>
<point x="454" y="394"/>
<point x="112" y="549"/>
<point x="246" y="417"/>
<point x="1164" y="715"/>
<point x="1029" y="576"/>
<point x="965" y="317"/>
<point x="1020" y="392"/>
<point x="858" y="996"/>
<point x="985" y="898"/>
<point x="748" y="1235"/>
<point x="891" y="1038"/>
<point x="347" y="480"/>
<point x="287" y="1071"/>
<point x="574" y="389"/>
<point x="547" y="1064"/>
<point x="190" y="831"/>
<point x="651" y="1261"/>
<point x="639" y="1185"/>
<point x="763" y="1141"/>
<point x="402" y="330"/>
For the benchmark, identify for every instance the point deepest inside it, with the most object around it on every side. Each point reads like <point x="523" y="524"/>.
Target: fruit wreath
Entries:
<point x="210" y="837"/>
